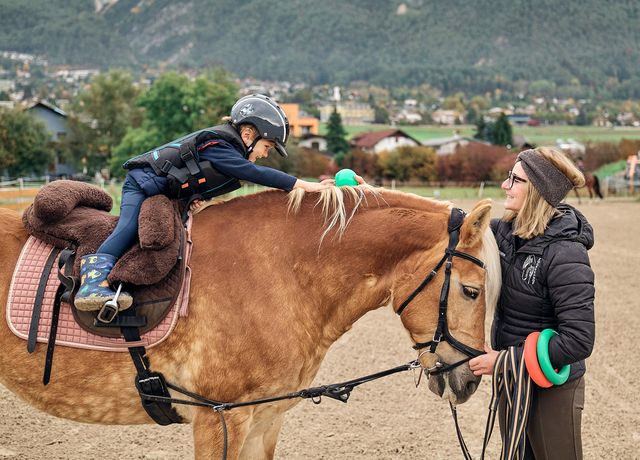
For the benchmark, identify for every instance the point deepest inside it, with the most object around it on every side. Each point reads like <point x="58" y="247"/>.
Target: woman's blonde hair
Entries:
<point x="535" y="214"/>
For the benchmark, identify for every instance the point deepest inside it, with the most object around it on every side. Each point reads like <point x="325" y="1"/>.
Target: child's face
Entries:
<point x="261" y="150"/>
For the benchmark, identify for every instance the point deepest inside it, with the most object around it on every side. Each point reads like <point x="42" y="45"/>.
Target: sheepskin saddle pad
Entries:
<point x="69" y="217"/>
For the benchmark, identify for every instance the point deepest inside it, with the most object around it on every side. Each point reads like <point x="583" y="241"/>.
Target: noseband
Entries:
<point x="442" y="333"/>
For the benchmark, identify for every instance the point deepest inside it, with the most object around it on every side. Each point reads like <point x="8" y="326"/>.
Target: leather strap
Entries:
<point x="55" y="316"/>
<point x="37" y="305"/>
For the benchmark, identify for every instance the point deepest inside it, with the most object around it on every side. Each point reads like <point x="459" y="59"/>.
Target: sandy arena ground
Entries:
<point x="390" y="418"/>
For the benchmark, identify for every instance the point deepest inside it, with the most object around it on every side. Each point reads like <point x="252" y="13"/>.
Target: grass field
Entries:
<point x="537" y="135"/>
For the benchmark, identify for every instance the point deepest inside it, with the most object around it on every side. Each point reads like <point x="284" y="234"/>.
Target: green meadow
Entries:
<point x="534" y="134"/>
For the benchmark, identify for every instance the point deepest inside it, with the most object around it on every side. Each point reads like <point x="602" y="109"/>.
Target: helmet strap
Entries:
<point x="253" y="144"/>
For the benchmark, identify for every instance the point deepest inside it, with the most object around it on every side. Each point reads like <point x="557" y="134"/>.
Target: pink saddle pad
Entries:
<point x="22" y="294"/>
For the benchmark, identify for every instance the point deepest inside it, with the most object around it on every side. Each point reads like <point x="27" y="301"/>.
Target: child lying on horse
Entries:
<point x="204" y="164"/>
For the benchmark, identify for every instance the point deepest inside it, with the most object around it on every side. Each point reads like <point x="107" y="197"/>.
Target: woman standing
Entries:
<point x="547" y="283"/>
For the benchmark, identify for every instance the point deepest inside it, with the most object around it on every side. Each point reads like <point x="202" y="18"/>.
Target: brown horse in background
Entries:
<point x="273" y="287"/>
<point x="592" y="184"/>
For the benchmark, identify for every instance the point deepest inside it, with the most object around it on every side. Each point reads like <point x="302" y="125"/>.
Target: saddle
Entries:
<point x="74" y="216"/>
<point x="71" y="219"/>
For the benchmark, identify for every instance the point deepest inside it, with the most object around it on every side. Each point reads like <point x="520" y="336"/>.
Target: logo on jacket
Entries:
<point x="529" y="268"/>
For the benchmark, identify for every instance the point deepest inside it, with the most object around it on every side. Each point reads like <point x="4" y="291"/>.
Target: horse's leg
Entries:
<point x="575" y="190"/>
<point x="261" y="441"/>
<point x="208" y="438"/>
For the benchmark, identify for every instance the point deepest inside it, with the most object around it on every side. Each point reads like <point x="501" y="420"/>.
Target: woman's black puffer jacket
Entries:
<point x="548" y="283"/>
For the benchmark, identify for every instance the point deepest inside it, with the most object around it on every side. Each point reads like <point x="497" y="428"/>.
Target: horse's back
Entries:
<point x="12" y="238"/>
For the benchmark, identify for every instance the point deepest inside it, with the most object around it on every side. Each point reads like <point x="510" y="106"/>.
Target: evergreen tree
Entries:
<point x="381" y="115"/>
<point x="502" y="132"/>
<point x="481" y="127"/>
<point x="582" y="119"/>
<point x="337" y="137"/>
<point x="472" y="116"/>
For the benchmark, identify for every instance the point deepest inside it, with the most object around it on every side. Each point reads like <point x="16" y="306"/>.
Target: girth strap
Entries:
<point x="150" y="383"/>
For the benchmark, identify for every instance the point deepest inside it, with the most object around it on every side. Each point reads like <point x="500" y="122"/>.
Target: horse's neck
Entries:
<point x="354" y="274"/>
<point x="310" y="289"/>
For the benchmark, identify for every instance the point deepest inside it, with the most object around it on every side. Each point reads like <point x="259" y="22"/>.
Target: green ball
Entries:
<point x="346" y="177"/>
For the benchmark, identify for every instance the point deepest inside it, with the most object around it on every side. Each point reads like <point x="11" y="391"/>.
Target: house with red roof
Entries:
<point x="380" y="141"/>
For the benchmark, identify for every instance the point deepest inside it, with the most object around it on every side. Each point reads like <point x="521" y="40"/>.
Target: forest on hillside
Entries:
<point x="585" y="48"/>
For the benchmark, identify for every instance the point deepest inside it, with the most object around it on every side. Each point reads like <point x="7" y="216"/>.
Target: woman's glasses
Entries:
<point x="513" y="178"/>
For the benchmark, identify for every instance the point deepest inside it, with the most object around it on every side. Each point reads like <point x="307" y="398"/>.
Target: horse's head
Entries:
<point x="461" y="281"/>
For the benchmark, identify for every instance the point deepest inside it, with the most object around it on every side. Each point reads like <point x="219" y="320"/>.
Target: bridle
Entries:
<point x="442" y="333"/>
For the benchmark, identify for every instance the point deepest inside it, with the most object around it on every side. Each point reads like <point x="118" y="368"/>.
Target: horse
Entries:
<point x="276" y="280"/>
<point x="592" y="184"/>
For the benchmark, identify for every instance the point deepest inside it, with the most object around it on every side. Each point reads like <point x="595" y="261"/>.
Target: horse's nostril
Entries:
<point x="471" y="387"/>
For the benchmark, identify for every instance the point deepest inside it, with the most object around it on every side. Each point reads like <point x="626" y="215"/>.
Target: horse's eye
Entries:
<point x="471" y="292"/>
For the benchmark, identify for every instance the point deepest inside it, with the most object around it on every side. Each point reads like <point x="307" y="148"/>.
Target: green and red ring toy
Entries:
<point x="536" y="359"/>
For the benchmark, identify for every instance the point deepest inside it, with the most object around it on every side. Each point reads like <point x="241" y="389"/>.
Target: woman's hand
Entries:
<point x="311" y="186"/>
<point x="483" y="364"/>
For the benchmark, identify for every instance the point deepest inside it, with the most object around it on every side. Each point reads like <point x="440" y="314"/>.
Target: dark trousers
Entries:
<point x="126" y="231"/>
<point x="554" y="427"/>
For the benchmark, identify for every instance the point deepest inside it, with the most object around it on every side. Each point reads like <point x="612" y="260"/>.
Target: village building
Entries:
<point x="351" y="112"/>
<point x="314" y="142"/>
<point x="54" y="119"/>
<point x="380" y="141"/>
<point x="448" y="145"/>
<point x="447" y="117"/>
<point x="300" y="123"/>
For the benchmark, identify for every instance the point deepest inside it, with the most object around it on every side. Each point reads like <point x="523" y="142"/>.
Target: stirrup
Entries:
<point x="110" y="309"/>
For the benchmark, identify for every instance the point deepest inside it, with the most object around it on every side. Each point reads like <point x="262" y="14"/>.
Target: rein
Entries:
<point x="338" y="391"/>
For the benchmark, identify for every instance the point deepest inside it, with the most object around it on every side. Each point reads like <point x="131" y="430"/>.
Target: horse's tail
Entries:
<point x="596" y="187"/>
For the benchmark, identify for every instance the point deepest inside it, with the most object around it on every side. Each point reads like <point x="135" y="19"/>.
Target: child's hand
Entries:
<point x="359" y="180"/>
<point x="195" y="206"/>
<point x="311" y="186"/>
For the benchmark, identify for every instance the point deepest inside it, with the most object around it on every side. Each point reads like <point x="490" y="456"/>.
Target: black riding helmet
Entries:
<point x="266" y="116"/>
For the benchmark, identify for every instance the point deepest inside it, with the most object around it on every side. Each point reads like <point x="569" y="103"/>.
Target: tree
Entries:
<point x="381" y="115"/>
<point x="583" y="118"/>
<point x="362" y="162"/>
<point x="101" y="115"/>
<point x="406" y="163"/>
<point x="24" y="144"/>
<point x="135" y="142"/>
<point x="472" y="115"/>
<point x="337" y="137"/>
<point x="481" y="128"/>
<point x="454" y="103"/>
<point x="502" y="133"/>
<point x="164" y="108"/>
<point x="175" y="106"/>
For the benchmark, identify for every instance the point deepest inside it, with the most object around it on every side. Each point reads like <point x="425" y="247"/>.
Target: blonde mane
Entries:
<point x="336" y="214"/>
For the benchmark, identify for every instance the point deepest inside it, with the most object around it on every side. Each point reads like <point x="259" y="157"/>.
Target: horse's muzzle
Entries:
<point x="456" y="386"/>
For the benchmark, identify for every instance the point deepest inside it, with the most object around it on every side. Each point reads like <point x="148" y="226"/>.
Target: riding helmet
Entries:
<point x="266" y="116"/>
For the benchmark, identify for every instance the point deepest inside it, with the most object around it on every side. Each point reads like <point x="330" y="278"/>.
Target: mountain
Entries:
<point x="469" y="45"/>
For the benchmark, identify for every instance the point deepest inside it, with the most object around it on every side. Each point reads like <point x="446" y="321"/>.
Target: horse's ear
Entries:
<point x="475" y="224"/>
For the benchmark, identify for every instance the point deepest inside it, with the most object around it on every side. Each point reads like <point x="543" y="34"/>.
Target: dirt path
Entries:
<point x="391" y="418"/>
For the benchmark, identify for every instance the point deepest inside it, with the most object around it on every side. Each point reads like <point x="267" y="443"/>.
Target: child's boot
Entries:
<point x="94" y="290"/>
